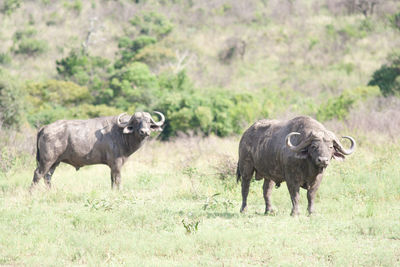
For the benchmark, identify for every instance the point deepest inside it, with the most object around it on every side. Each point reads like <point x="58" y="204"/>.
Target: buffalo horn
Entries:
<point x="299" y="146"/>
<point x="161" y="122"/>
<point x="346" y="151"/>
<point x="121" y="124"/>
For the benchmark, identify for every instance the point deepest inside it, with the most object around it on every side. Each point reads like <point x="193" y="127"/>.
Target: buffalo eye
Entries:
<point x="313" y="147"/>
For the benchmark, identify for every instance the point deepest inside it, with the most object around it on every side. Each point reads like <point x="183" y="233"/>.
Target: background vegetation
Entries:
<point x="213" y="68"/>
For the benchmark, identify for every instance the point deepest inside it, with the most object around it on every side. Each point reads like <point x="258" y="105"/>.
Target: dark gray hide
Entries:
<point x="104" y="140"/>
<point x="266" y="149"/>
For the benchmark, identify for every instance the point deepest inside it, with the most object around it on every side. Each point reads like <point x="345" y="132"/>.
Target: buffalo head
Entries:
<point x="320" y="147"/>
<point x="140" y="124"/>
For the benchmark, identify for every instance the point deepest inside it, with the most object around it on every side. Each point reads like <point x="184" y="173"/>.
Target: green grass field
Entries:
<point x="168" y="213"/>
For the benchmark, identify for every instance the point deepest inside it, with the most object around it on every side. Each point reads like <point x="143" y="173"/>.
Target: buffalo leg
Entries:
<point x="40" y="171"/>
<point x="115" y="179"/>
<point x="267" y="190"/>
<point x="49" y="174"/>
<point x="311" y="192"/>
<point x="116" y="173"/>
<point x="246" y="178"/>
<point x="294" y="195"/>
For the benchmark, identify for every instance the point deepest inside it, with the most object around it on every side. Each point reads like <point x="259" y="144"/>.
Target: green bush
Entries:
<point x="31" y="47"/>
<point x="92" y="111"/>
<point x="75" y="6"/>
<point x="152" y="24"/>
<point x="154" y="55"/>
<point x="5" y="58"/>
<point x="387" y="77"/>
<point x="12" y="104"/>
<point x="89" y="71"/>
<point x="9" y="6"/>
<point x="133" y="85"/>
<point x="48" y="114"/>
<point x="221" y="113"/>
<point x="129" y="48"/>
<point x="395" y="20"/>
<point x="339" y="107"/>
<point x="57" y="93"/>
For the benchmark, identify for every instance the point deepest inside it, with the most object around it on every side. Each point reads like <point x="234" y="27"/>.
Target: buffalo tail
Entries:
<point x="37" y="145"/>
<point x="238" y="175"/>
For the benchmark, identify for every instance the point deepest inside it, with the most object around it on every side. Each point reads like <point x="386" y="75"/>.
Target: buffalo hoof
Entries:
<point x="294" y="214"/>
<point x="243" y="209"/>
<point x="270" y="211"/>
<point x="311" y="213"/>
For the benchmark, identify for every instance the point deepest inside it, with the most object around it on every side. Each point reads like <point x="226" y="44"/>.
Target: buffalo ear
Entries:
<point x="302" y="154"/>
<point x="338" y="156"/>
<point x="128" y="129"/>
<point x="156" y="128"/>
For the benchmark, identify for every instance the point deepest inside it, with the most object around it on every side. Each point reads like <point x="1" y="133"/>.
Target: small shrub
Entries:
<point x="234" y="47"/>
<point x="9" y="6"/>
<point x="395" y="20"/>
<point x="31" y="47"/>
<point x="214" y="203"/>
<point x="75" y="6"/>
<point x="23" y="34"/>
<point x="5" y="58"/>
<point x="8" y="159"/>
<point x="191" y="226"/>
<point x="225" y="167"/>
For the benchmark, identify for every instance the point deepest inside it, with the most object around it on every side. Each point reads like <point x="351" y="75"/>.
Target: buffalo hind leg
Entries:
<point x="49" y="174"/>
<point x="40" y="171"/>
<point x="267" y="190"/>
<point x="246" y="178"/>
<point x="294" y="195"/>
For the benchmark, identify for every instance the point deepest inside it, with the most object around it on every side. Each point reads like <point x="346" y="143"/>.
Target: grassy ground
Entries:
<point x="168" y="213"/>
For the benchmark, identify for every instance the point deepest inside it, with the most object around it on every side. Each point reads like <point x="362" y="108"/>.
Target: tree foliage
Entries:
<point x="387" y="77"/>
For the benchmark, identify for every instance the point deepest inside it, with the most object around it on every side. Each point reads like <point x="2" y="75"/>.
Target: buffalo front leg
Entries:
<point x="294" y="195"/>
<point x="116" y="173"/>
<point x="311" y="192"/>
<point x="115" y="179"/>
<point x="267" y="190"/>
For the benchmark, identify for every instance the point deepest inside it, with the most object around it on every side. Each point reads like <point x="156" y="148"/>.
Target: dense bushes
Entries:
<point x="339" y="107"/>
<point x="11" y="101"/>
<point x="52" y="100"/>
<point x="141" y="78"/>
<point x="387" y="77"/>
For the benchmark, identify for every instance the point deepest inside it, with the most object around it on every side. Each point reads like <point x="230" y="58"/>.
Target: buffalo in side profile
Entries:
<point x="104" y="140"/>
<point x="266" y="149"/>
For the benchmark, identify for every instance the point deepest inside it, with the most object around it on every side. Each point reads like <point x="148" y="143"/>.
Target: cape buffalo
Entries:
<point x="266" y="149"/>
<point x="104" y="140"/>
